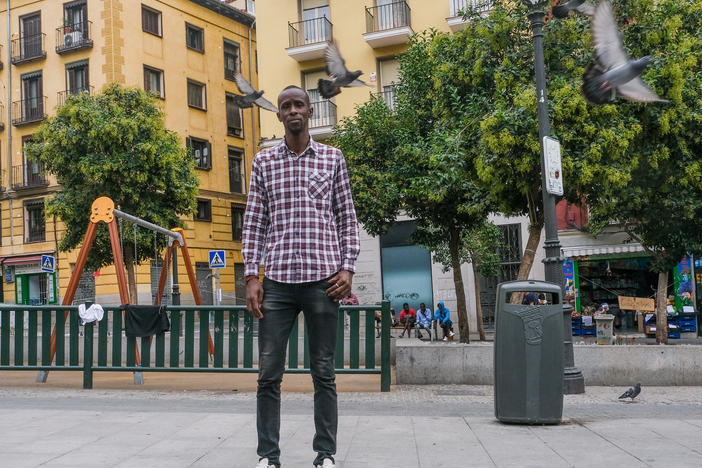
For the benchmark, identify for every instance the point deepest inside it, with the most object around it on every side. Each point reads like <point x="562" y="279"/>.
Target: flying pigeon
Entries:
<point x="632" y="393"/>
<point x="250" y="95"/>
<point x="614" y="73"/>
<point x="339" y="74"/>
<point x="581" y="6"/>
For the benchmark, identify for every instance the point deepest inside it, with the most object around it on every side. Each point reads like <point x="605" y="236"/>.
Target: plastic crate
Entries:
<point x="589" y="331"/>
<point x="674" y="335"/>
<point x="688" y="328"/>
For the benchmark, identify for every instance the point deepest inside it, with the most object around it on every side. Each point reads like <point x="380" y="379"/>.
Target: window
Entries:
<point x="315" y="16"/>
<point x="31" y="38"/>
<point x="151" y="20"/>
<point x="236" y="170"/>
<point x="389" y="75"/>
<point x="32" y="96"/>
<point x="153" y="81"/>
<point x="197" y="96"/>
<point x="202" y="151"/>
<point x="195" y="38"/>
<point x="204" y="210"/>
<point x="34" y="224"/>
<point x="231" y="59"/>
<point x="75" y="17"/>
<point x="234" y="125"/>
<point x="237" y="222"/>
<point x="77" y="77"/>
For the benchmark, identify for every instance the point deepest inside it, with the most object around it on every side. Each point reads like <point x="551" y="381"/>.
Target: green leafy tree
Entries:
<point x="416" y="159"/>
<point x="479" y="246"/>
<point x="115" y="144"/>
<point x="637" y="164"/>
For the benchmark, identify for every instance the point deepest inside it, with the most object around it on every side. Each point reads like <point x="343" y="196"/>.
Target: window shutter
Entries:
<point x="208" y="156"/>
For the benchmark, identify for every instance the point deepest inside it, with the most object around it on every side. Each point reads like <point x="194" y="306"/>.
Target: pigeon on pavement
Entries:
<point x="250" y="95"/>
<point x="632" y="393"/>
<point x="339" y="74"/>
<point x="582" y="6"/>
<point x="614" y="73"/>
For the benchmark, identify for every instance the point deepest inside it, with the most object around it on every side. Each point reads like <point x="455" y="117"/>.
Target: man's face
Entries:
<point x="294" y="110"/>
<point x="405" y="306"/>
<point x="422" y="306"/>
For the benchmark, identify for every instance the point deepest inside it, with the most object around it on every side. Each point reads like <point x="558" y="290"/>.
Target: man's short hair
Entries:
<point x="292" y="86"/>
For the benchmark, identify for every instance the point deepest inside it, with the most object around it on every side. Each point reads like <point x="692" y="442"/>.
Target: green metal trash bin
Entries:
<point x="528" y="354"/>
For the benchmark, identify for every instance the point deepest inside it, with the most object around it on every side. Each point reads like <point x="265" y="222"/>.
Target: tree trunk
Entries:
<point x="528" y="258"/>
<point x="662" y="313"/>
<point x="461" y="311"/>
<point x="131" y="277"/>
<point x="478" y="307"/>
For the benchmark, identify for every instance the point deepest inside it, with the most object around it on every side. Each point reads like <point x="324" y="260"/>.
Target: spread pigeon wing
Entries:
<point x="264" y="103"/>
<point x="243" y="85"/>
<point x="586" y="8"/>
<point x="335" y="64"/>
<point x="358" y="82"/>
<point x="638" y="90"/>
<point x="606" y="38"/>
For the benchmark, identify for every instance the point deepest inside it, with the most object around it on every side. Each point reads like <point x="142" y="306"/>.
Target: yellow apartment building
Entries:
<point x="371" y="34"/>
<point x="187" y="53"/>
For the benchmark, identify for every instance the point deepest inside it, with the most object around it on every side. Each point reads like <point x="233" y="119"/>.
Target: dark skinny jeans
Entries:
<point x="282" y="302"/>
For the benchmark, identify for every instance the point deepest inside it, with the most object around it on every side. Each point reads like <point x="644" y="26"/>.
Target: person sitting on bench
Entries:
<point x="424" y="320"/>
<point x="443" y="317"/>
<point x="407" y="318"/>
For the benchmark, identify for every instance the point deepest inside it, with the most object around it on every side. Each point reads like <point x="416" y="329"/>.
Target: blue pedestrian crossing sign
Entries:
<point x="47" y="263"/>
<point x="217" y="259"/>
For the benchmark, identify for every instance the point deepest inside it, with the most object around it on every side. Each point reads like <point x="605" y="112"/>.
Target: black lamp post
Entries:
<point x="553" y="263"/>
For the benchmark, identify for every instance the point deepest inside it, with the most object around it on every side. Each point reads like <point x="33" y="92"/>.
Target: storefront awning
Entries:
<point x="587" y="250"/>
<point x="23" y="259"/>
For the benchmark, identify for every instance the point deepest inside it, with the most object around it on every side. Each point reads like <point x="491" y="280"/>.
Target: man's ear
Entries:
<point x="280" y="119"/>
<point x="311" y="112"/>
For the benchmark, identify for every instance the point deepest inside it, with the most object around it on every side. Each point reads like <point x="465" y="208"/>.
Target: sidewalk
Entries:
<point x="413" y="426"/>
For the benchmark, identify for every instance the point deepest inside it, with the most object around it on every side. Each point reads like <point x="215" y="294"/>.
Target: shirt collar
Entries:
<point x="312" y="147"/>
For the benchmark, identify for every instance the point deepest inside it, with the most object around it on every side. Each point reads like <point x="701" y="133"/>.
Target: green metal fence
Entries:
<point x="26" y="335"/>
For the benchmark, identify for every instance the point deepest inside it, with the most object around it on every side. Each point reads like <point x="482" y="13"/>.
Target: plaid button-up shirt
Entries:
<point x="301" y="212"/>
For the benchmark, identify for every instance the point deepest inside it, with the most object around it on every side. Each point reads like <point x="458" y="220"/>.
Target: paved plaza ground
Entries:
<point x="212" y="424"/>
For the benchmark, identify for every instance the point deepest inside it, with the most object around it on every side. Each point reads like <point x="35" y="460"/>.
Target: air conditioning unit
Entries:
<point x="72" y="38"/>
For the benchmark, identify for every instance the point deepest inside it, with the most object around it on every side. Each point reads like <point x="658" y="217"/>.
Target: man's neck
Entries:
<point x="297" y="142"/>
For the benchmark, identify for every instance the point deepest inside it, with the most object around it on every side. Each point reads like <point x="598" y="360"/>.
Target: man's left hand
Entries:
<point x="340" y="285"/>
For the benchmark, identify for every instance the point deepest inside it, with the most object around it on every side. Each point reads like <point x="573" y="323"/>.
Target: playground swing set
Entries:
<point x="103" y="209"/>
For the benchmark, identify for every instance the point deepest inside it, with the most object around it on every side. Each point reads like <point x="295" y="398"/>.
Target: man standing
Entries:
<point x="300" y="214"/>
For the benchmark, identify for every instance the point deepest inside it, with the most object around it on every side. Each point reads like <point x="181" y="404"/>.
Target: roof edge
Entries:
<point x="229" y="11"/>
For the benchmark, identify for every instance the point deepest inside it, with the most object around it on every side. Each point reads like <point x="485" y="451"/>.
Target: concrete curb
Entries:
<point x="423" y="363"/>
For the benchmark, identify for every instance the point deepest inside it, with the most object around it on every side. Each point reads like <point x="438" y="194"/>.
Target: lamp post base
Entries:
<point x="573" y="381"/>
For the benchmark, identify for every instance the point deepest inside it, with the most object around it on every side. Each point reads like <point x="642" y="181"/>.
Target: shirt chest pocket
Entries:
<point x="319" y="185"/>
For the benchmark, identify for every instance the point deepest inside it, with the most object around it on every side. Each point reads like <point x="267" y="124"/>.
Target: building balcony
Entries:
<point x="63" y="95"/>
<point x="29" y="110"/>
<point x="309" y="39"/>
<point x="323" y="119"/>
<point x="73" y="37"/>
<point x="28" y="175"/>
<point x="388" y="25"/>
<point x="387" y="95"/>
<point x="27" y="48"/>
<point x="456" y="21"/>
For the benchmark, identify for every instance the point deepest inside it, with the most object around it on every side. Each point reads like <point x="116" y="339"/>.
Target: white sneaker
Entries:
<point x="327" y="463"/>
<point x="445" y="338"/>
<point x="451" y="333"/>
<point x="263" y="463"/>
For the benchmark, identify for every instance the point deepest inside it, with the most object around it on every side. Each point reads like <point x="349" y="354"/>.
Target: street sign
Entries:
<point x="47" y="263"/>
<point x="217" y="259"/>
<point x="554" y="172"/>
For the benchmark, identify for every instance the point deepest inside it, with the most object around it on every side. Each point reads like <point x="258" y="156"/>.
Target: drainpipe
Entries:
<point x="251" y="80"/>
<point x="9" y="124"/>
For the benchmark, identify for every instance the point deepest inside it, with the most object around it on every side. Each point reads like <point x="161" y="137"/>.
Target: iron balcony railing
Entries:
<point x="28" y="175"/>
<point x="26" y="342"/>
<point x="28" y="110"/>
<point x="74" y="36"/>
<point x="63" y="95"/>
<point x="389" y="16"/>
<point x="324" y="114"/>
<point x="310" y="31"/>
<point x="457" y="6"/>
<point x="388" y="95"/>
<point x="27" y="47"/>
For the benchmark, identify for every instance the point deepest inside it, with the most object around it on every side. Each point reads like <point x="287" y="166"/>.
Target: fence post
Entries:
<point x="385" y="347"/>
<point x="88" y="355"/>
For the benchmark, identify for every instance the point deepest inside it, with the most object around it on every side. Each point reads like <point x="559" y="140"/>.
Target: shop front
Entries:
<point x="601" y="275"/>
<point x="32" y="285"/>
